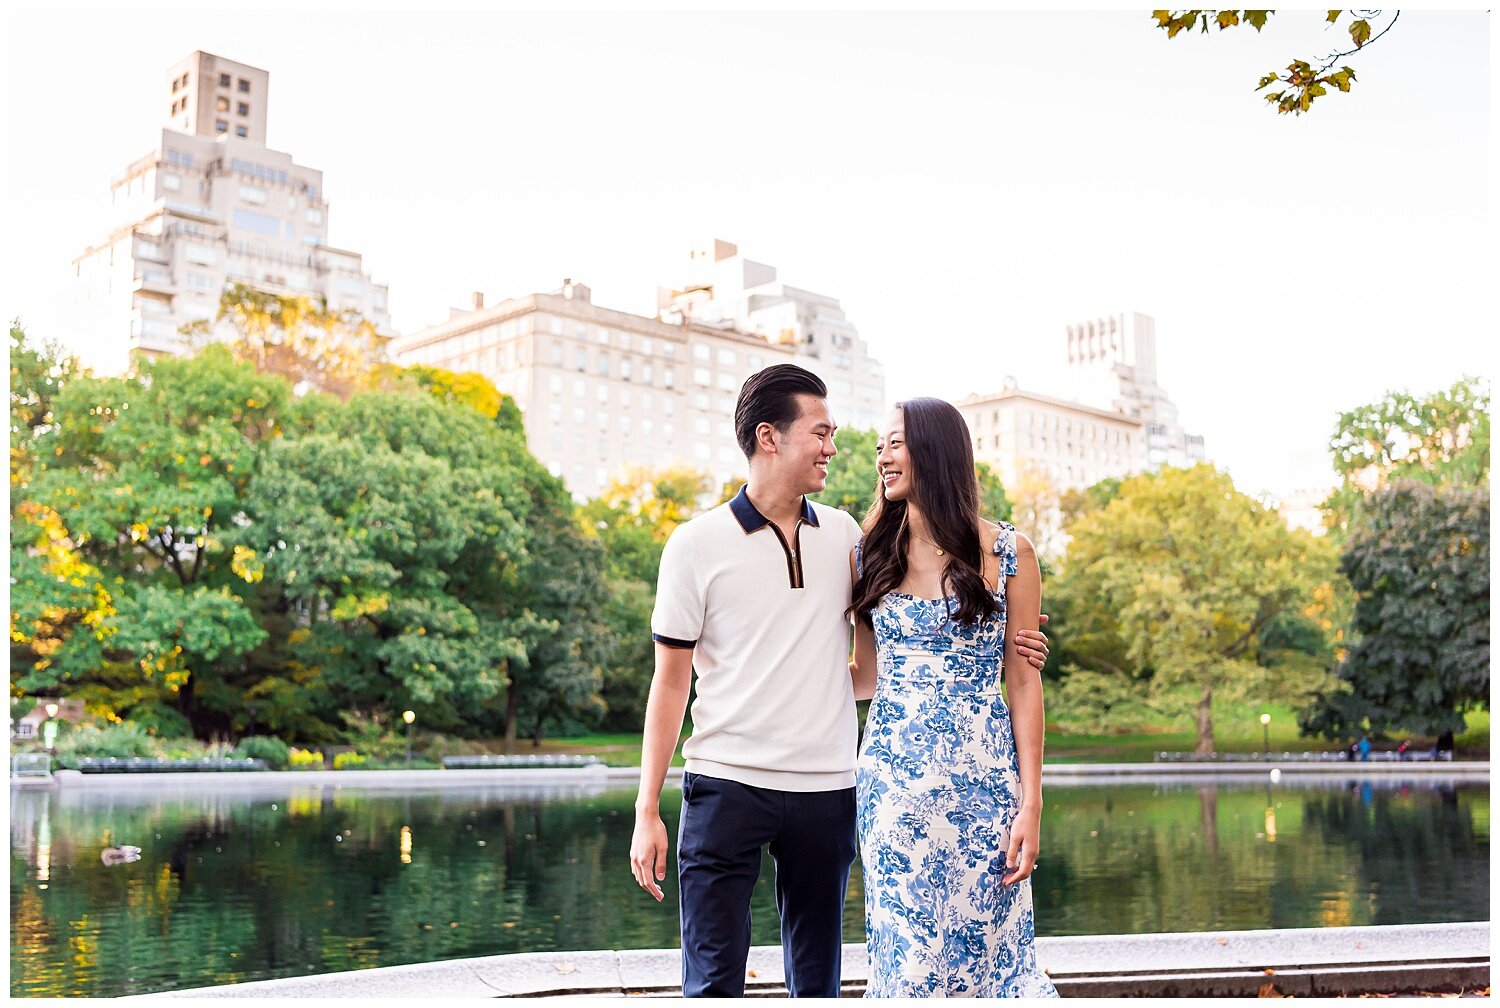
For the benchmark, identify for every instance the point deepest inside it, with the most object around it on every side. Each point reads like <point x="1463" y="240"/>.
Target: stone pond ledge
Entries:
<point x="1298" y="961"/>
<point x="599" y="777"/>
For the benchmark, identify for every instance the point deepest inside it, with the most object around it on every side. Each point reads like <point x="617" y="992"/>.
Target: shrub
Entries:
<point x="122" y="741"/>
<point x="303" y="759"/>
<point x="348" y="761"/>
<point x="264" y="747"/>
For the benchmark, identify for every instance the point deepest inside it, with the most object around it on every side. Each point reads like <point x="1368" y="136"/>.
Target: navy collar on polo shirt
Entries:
<point x="750" y="518"/>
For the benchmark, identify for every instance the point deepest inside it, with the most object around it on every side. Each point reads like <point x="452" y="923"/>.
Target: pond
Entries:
<point x="251" y="885"/>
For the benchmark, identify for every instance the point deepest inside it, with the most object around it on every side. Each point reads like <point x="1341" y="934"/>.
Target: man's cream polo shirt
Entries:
<point x="765" y="619"/>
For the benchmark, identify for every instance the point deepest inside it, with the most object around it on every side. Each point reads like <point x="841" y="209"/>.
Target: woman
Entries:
<point x="949" y="780"/>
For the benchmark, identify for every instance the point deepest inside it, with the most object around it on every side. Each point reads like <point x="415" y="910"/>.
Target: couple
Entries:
<point x="756" y="595"/>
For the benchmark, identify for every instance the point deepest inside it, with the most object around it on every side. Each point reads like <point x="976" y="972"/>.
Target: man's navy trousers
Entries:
<point x="723" y="828"/>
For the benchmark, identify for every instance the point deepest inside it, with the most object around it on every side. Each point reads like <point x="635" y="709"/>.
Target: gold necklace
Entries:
<point x="940" y="551"/>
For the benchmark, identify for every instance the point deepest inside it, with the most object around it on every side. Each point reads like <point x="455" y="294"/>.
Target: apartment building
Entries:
<point x="210" y="204"/>
<point x="1112" y="365"/>
<point x="1073" y="445"/>
<point x="720" y="287"/>
<point x="600" y="388"/>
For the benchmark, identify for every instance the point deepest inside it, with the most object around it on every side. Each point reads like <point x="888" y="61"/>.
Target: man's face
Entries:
<point x="804" y="450"/>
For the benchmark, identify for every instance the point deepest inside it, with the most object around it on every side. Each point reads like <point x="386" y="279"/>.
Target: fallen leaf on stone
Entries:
<point x="1268" y="990"/>
<point x="751" y="973"/>
<point x="1269" y="972"/>
<point x="565" y="967"/>
<point x="1223" y="941"/>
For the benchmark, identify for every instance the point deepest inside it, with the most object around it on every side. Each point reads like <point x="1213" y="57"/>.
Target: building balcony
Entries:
<point x="153" y="283"/>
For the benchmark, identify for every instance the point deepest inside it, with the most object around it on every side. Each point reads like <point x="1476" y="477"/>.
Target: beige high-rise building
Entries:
<point x="209" y="205"/>
<point x="1072" y="445"/>
<point x="722" y="288"/>
<point x="1112" y="365"/>
<point x="601" y="389"/>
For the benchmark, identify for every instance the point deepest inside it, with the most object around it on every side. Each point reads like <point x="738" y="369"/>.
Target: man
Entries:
<point x="752" y="595"/>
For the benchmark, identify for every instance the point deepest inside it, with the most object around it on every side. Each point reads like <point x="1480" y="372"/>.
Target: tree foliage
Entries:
<point x="312" y="346"/>
<point x="1441" y="439"/>
<point x="1170" y="593"/>
<point x="1419" y="564"/>
<point x="1303" y="81"/>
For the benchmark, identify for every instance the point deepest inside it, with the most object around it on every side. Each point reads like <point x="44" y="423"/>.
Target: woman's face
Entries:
<point x="891" y="458"/>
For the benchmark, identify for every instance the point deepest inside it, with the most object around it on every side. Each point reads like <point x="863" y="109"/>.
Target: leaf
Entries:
<point x="1257" y="18"/>
<point x="1359" y="31"/>
<point x="1333" y="15"/>
<point x="1227" y="19"/>
<point x="1269" y="78"/>
<point x="565" y="968"/>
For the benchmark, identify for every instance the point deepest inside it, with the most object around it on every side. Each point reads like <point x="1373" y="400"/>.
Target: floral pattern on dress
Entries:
<point x="938" y="786"/>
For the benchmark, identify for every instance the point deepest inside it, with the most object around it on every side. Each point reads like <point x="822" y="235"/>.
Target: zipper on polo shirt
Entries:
<point x="793" y="561"/>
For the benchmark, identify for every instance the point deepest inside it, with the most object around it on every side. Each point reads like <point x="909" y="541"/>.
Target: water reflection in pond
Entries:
<point x="233" y="887"/>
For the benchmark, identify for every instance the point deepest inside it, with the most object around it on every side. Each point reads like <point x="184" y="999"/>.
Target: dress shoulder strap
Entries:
<point x="1005" y="548"/>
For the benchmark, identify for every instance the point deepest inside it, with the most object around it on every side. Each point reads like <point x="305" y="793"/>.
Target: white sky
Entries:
<point x="966" y="184"/>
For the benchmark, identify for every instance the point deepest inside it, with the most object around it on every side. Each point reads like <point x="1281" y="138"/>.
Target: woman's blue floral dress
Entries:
<point x="938" y="786"/>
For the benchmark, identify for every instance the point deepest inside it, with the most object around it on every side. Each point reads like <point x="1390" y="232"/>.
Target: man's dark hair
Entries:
<point x="770" y="396"/>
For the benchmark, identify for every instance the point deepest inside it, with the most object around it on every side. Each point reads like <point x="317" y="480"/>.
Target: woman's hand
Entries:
<point x="1020" y="854"/>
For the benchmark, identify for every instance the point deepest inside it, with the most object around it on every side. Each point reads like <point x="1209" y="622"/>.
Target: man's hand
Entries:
<point x="1032" y="644"/>
<point x="648" y="852"/>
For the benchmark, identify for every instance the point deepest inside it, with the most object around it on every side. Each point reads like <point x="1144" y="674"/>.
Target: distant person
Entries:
<point x="752" y="596"/>
<point x="1364" y="749"/>
<point x="950" y="775"/>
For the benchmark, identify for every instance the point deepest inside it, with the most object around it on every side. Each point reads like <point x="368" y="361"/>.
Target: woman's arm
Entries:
<point x="862" y="668"/>
<point x="1023" y="694"/>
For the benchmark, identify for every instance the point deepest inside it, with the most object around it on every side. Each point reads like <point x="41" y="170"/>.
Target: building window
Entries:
<point x="580" y="358"/>
<point x="701" y="376"/>
<point x="555" y="384"/>
<point x="625" y="369"/>
<point x="646" y="373"/>
<point x="220" y="126"/>
<point x="221" y="103"/>
<point x="314" y="216"/>
<point x="223" y="80"/>
<point x="646" y="345"/>
<point x="244" y="86"/>
<point x="242" y="108"/>
<point x="727" y="382"/>
<point x="241" y="131"/>
<point x="603" y="394"/>
<point x="727" y="357"/>
<point x="701" y="351"/>
<point x="669" y="377"/>
<point x="580" y="416"/>
<point x="171" y="181"/>
<point x="604" y="365"/>
<point x="555" y="411"/>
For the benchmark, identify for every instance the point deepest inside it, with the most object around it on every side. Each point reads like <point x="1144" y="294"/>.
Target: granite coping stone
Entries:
<point x="1301" y="961"/>
<point x="602" y="776"/>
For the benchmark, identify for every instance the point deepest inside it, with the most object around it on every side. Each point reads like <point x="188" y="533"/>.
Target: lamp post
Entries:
<point x="49" y="728"/>
<point x="408" y="717"/>
<point x="1265" y="727"/>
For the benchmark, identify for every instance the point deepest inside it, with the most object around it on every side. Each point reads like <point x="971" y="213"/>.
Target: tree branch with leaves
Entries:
<point x="1305" y="80"/>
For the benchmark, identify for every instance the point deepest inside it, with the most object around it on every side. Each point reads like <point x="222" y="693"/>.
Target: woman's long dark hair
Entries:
<point x="945" y="489"/>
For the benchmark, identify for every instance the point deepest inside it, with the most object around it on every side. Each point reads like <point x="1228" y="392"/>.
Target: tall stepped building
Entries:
<point x="211" y="205"/>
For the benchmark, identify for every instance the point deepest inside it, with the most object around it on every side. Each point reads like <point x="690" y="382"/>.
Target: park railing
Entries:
<point x="30" y="765"/>
<point x="528" y="762"/>
<point x="137" y="764"/>
<point x="1384" y="756"/>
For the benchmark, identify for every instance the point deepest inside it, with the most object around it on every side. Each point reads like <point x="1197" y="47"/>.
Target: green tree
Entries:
<point x="1173" y="587"/>
<point x="632" y="520"/>
<point x="1419" y="564"/>
<point x="147" y="477"/>
<point x="851" y="473"/>
<point x="1304" y="81"/>
<point x="1441" y="439"/>
<point x="993" y="502"/>
<point x="302" y="339"/>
